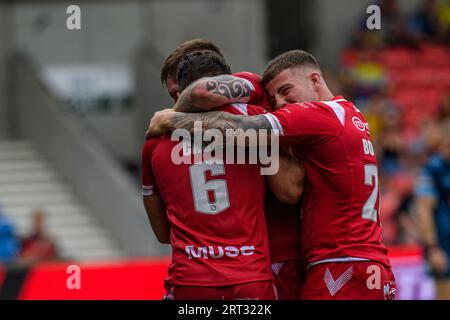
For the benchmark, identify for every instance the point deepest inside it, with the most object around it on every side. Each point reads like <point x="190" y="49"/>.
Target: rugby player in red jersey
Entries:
<point x="341" y="231"/>
<point x="244" y="87"/>
<point x="218" y="233"/>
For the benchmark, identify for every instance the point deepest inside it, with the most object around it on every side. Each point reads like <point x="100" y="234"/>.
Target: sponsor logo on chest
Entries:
<point x="359" y="124"/>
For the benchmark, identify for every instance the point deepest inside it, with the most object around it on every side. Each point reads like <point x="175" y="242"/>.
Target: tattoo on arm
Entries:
<point x="230" y="125"/>
<point x="214" y="92"/>
<point x="185" y="102"/>
<point x="229" y="86"/>
<point x="218" y="120"/>
<point x="229" y="121"/>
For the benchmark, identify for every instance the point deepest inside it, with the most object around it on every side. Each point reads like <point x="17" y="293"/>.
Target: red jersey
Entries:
<point x="341" y="196"/>
<point x="216" y="213"/>
<point x="283" y="223"/>
<point x="259" y="95"/>
<point x="282" y="219"/>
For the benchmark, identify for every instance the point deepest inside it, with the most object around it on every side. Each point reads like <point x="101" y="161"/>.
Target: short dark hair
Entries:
<point x="289" y="59"/>
<point x="170" y="65"/>
<point x="199" y="64"/>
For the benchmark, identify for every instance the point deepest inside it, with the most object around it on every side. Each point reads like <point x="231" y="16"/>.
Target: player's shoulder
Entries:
<point x="330" y="106"/>
<point x="301" y="107"/>
<point x="150" y="145"/>
<point x="242" y="109"/>
<point x="253" y="110"/>
<point x="336" y="102"/>
<point x="254" y="77"/>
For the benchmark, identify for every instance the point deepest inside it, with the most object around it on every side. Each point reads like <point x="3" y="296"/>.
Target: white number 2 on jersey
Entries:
<point x="201" y="187"/>
<point x="371" y="179"/>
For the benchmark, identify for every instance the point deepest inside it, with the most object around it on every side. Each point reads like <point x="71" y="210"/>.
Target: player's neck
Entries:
<point x="326" y="95"/>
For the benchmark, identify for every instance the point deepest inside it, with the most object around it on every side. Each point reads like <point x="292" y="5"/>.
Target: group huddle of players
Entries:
<point x="310" y="231"/>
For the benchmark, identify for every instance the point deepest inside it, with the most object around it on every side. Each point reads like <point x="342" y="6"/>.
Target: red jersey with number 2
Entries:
<point x="341" y="196"/>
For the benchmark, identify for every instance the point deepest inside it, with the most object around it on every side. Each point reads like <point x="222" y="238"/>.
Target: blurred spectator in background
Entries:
<point x="38" y="246"/>
<point x="394" y="29"/>
<point x="425" y="23"/>
<point x="9" y="244"/>
<point x="443" y="14"/>
<point x="433" y="206"/>
<point x="397" y="201"/>
<point x="390" y="142"/>
<point x="386" y="72"/>
<point x="384" y="119"/>
<point x="396" y="172"/>
<point x="365" y="77"/>
<point x="444" y="108"/>
<point x="394" y="24"/>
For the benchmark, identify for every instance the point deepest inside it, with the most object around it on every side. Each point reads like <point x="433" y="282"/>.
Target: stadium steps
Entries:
<point x="29" y="183"/>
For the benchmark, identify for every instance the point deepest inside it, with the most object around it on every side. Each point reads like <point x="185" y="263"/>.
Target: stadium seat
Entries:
<point x="443" y="78"/>
<point x="432" y="55"/>
<point x="350" y="57"/>
<point x="417" y="77"/>
<point x="425" y="99"/>
<point x="404" y="98"/>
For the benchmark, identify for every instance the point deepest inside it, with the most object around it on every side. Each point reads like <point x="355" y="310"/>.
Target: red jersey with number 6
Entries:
<point x="216" y="213"/>
<point x="341" y="196"/>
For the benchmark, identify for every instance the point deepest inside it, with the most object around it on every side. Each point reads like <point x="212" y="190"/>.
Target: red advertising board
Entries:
<point x="125" y="280"/>
<point x="142" y="279"/>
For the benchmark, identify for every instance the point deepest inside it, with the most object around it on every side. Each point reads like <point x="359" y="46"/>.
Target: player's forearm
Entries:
<point x="159" y="123"/>
<point x="426" y="223"/>
<point x="167" y="122"/>
<point x="208" y="93"/>
<point x="288" y="183"/>
<point x="216" y="120"/>
<point x="156" y="212"/>
<point x="164" y="122"/>
<point x="191" y="100"/>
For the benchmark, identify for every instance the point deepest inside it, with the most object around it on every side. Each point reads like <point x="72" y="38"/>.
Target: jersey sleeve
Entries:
<point x="148" y="181"/>
<point x="303" y="122"/>
<point x="253" y="110"/>
<point x="242" y="109"/>
<point x="259" y="95"/>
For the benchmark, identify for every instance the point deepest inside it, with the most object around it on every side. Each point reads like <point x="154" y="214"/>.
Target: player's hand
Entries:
<point x="157" y="125"/>
<point x="438" y="260"/>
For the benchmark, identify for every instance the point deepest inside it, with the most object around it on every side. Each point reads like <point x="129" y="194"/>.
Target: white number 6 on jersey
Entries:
<point x="201" y="187"/>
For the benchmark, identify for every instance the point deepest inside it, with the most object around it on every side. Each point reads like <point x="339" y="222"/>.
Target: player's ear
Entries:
<point x="315" y="78"/>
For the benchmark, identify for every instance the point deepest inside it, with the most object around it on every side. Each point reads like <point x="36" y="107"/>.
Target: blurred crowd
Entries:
<point x="35" y="247"/>
<point x="399" y="77"/>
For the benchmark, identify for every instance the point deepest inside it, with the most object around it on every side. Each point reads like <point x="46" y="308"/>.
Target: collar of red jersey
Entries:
<point x="334" y="99"/>
<point x="338" y="99"/>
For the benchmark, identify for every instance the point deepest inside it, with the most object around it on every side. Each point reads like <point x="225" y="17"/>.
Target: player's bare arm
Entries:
<point x="425" y="207"/>
<point x="167" y="120"/>
<point x="210" y="92"/>
<point x="288" y="183"/>
<point x="156" y="212"/>
<point x="425" y="214"/>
